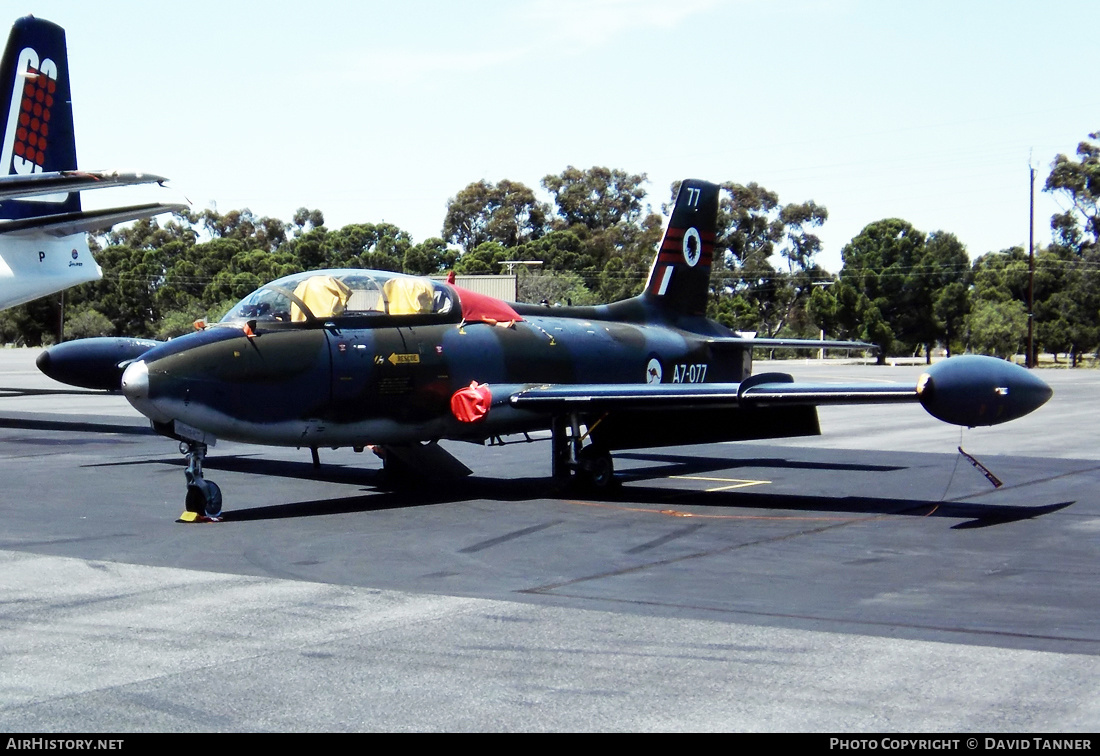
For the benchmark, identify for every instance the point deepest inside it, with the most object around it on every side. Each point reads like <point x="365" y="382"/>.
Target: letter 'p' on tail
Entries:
<point x="36" y="106"/>
<point x="680" y="278"/>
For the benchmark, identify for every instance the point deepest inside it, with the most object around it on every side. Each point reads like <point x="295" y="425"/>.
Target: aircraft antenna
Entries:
<point x="1030" y="360"/>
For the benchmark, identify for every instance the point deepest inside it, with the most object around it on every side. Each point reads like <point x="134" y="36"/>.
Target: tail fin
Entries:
<point x="679" y="280"/>
<point x="36" y="105"/>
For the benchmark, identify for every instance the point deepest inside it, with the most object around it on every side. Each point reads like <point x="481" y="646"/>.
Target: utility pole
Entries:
<point x="1030" y="361"/>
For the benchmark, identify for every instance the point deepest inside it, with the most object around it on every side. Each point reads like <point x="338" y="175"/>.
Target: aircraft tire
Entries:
<point x="213" y="500"/>
<point x="596" y="469"/>
<point x="204" y="498"/>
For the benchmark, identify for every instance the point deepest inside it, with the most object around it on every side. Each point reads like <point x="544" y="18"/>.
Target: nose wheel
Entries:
<point x="204" y="498"/>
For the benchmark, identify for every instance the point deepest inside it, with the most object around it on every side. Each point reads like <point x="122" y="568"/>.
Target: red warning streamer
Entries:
<point x="983" y="469"/>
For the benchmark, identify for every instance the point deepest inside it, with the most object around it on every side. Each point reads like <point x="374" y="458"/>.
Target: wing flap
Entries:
<point x="775" y="392"/>
<point x="817" y="394"/>
<point x="603" y="397"/>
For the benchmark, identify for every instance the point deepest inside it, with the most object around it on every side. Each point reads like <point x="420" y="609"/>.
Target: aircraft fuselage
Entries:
<point x="382" y="379"/>
<point x="36" y="265"/>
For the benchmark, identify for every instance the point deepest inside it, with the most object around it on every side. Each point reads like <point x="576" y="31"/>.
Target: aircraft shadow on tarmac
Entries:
<point x="685" y="465"/>
<point x="89" y="425"/>
<point x="632" y="488"/>
<point x="70" y="426"/>
<point x="8" y="392"/>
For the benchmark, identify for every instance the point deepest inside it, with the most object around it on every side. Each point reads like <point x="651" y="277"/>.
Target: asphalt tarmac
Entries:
<point x="869" y="580"/>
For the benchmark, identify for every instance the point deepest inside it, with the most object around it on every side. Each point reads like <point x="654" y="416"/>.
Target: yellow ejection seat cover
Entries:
<point x="408" y="296"/>
<point x="325" y="296"/>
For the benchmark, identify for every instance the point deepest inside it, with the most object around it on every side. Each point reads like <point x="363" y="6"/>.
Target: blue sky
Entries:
<point x="380" y="111"/>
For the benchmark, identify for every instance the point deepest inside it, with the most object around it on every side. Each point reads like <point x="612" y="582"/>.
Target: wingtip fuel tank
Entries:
<point x="975" y="390"/>
<point x="96" y="363"/>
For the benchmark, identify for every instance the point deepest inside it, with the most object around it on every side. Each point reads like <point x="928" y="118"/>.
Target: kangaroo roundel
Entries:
<point x="653" y="371"/>
<point x="693" y="247"/>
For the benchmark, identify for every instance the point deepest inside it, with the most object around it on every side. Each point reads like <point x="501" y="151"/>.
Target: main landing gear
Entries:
<point x="204" y="498"/>
<point x="590" y="467"/>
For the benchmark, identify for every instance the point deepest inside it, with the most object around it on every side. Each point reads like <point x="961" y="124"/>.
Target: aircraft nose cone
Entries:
<point x="135" y="386"/>
<point x="135" y="381"/>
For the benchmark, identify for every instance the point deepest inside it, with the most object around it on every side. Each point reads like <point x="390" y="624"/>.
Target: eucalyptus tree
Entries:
<point x="506" y="212"/>
<point x="876" y="301"/>
<point x="764" y="270"/>
<point x="1070" y="316"/>
<point x="597" y="198"/>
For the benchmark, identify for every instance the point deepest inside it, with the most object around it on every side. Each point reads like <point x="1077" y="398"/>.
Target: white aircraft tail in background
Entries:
<point x="43" y="242"/>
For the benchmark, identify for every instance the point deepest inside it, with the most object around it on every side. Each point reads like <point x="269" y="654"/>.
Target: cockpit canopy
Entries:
<point x="327" y="294"/>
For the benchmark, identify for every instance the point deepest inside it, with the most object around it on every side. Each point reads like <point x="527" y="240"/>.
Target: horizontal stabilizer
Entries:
<point x="752" y="341"/>
<point x="86" y="221"/>
<point x="59" y="182"/>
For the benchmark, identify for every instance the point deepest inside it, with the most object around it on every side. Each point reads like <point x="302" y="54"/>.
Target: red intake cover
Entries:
<point x="471" y="404"/>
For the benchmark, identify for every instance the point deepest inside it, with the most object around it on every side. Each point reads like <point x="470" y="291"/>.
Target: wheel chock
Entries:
<point x="189" y="516"/>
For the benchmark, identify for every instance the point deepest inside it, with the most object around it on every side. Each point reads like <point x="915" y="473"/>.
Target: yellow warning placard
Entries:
<point x="403" y="359"/>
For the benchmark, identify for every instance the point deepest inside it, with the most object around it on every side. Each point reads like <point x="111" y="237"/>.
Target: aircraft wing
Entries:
<point x="86" y="221"/>
<point x="970" y="390"/>
<point x="59" y="182"/>
<point x="773" y="389"/>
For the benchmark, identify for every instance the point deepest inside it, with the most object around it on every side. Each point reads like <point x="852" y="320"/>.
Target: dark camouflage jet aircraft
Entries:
<point x="359" y="358"/>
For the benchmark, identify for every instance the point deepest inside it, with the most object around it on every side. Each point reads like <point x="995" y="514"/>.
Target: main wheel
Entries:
<point x="595" y="468"/>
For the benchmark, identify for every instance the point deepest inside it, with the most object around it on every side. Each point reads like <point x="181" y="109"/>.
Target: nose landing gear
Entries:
<point x="204" y="498"/>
